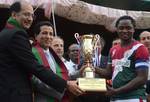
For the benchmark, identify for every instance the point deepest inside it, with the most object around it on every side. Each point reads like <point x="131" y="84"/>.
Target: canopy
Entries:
<point x="84" y="12"/>
<point x="137" y="5"/>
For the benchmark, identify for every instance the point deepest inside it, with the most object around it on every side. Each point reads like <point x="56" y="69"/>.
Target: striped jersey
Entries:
<point x="125" y="61"/>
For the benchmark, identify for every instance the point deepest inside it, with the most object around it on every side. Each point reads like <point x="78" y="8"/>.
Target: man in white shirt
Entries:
<point x="58" y="46"/>
<point x="47" y="57"/>
<point x="74" y="56"/>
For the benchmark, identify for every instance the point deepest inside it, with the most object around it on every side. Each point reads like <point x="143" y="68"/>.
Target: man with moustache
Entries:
<point x="47" y="57"/>
<point x="17" y="62"/>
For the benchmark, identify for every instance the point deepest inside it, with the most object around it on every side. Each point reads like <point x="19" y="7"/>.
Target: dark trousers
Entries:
<point x="96" y="97"/>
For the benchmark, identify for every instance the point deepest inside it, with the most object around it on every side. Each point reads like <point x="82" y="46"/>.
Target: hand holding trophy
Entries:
<point x="88" y="82"/>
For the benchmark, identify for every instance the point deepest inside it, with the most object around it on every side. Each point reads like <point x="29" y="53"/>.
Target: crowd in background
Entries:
<point x="44" y="74"/>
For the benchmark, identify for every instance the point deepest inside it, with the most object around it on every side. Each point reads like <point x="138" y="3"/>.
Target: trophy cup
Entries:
<point x="88" y="82"/>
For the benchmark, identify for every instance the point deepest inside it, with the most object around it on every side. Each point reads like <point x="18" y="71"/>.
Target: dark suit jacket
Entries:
<point x="16" y="64"/>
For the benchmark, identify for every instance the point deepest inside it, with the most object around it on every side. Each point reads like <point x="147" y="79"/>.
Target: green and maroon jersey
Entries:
<point x="125" y="61"/>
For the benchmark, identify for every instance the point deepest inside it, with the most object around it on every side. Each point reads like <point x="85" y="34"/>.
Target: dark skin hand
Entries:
<point x="111" y="91"/>
<point x="83" y="68"/>
<point x="138" y="81"/>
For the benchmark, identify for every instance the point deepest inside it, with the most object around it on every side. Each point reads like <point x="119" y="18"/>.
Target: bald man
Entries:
<point x="145" y="39"/>
<point x="17" y="61"/>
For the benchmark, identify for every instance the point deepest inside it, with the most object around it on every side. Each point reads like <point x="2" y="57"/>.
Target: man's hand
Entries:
<point x="111" y="91"/>
<point x="97" y="70"/>
<point x="73" y="88"/>
<point x="83" y="68"/>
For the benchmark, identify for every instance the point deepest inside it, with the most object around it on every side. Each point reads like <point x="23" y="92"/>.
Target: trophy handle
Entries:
<point x="76" y="35"/>
<point x="97" y="37"/>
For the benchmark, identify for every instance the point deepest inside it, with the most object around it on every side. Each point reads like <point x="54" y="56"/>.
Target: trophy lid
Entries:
<point x="87" y="69"/>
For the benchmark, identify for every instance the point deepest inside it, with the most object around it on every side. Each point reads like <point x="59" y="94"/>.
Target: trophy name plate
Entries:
<point x="92" y="84"/>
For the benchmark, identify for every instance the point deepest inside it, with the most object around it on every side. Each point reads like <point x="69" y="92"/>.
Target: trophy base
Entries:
<point x="92" y="84"/>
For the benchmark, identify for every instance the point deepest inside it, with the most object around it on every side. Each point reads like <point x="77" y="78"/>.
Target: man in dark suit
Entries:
<point x="17" y="62"/>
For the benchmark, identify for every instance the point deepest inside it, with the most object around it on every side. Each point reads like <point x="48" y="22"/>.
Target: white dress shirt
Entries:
<point x="71" y="67"/>
<point x="51" y="60"/>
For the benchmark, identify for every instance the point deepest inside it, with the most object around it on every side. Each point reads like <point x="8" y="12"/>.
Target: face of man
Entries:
<point x="58" y="46"/>
<point x="145" y="39"/>
<point x="45" y="36"/>
<point x="125" y="29"/>
<point x="74" y="52"/>
<point x="25" y="16"/>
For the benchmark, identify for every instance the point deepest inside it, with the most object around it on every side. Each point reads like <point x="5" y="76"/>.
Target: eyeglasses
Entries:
<point x="27" y="14"/>
<point x="144" y="38"/>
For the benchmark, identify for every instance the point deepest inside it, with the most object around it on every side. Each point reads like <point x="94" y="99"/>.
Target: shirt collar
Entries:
<point x="46" y="51"/>
<point x="72" y="62"/>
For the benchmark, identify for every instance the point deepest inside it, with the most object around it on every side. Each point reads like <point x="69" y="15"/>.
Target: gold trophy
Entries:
<point x="88" y="82"/>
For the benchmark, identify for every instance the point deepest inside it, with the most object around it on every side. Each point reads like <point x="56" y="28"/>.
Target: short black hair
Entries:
<point x="126" y="18"/>
<point x="39" y="24"/>
<point x="15" y="7"/>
